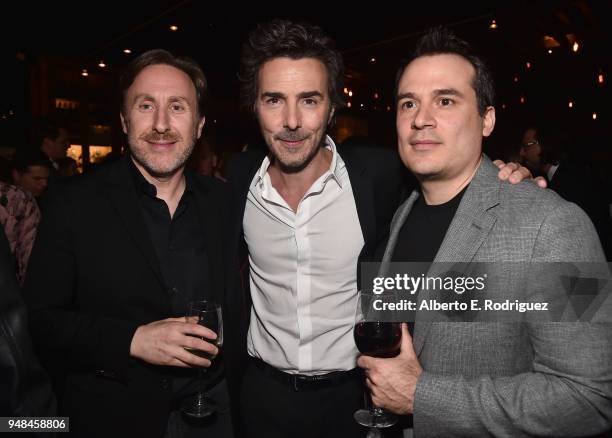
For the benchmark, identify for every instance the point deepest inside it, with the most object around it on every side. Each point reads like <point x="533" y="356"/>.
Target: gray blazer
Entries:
<point x="512" y="379"/>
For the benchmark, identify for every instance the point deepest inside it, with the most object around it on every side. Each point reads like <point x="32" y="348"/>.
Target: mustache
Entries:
<point x="156" y="137"/>
<point x="287" y="135"/>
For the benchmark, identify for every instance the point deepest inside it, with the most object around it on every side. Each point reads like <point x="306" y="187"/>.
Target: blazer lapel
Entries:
<point x="122" y="195"/>
<point x="363" y="193"/>
<point x="468" y="230"/>
<point x="214" y="247"/>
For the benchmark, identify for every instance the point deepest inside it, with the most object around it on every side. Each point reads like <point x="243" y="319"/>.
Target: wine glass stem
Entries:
<point x="375" y="411"/>
<point x="201" y="372"/>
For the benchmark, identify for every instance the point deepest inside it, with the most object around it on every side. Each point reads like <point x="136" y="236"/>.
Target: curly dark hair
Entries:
<point x="440" y="41"/>
<point x="160" y="56"/>
<point x="283" y="38"/>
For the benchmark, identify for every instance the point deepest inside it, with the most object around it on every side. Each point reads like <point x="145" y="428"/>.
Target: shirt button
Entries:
<point x="165" y="383"/>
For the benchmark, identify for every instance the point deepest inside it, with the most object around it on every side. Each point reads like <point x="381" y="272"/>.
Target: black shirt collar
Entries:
<point x="144" y="187"/>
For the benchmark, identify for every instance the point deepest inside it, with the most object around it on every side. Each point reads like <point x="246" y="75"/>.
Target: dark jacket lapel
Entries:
<point x="122" y="195"/>
<point x="207" y="205"/>
<point x="363" y="193"/>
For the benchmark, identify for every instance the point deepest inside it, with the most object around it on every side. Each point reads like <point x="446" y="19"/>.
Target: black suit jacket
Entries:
<point x="580" y="186"/>
<point x="93" y="279"/>
<point x="379" y="182"/>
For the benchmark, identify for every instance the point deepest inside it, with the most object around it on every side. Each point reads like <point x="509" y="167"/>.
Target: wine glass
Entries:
<point x="208" y="314"/>
<point x="377" y="338"/>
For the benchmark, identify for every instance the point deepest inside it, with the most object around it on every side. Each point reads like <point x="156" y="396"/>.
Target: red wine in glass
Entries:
<point x="378" y="339"/>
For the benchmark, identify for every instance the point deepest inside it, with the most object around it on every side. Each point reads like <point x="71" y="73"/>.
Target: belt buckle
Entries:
<point x="301" y="383"/>
<point x="294" y="379"/>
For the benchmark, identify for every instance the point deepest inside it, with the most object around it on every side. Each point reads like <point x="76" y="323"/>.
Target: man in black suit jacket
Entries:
<point x="120" y="253"/>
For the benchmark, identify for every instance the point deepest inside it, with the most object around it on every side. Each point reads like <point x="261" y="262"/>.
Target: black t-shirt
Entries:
<point x="424" y="230"/>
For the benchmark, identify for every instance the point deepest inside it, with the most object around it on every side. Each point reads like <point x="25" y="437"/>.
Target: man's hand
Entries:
<point x="164" y="342"/>
<point x="514" y="173"/>
<point x="392" y="382"/>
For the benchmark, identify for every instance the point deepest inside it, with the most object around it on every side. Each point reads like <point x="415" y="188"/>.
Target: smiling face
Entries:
<point x="161" y="119"/>
<point x="293" y="109"/>
<point x="438" y="124"/>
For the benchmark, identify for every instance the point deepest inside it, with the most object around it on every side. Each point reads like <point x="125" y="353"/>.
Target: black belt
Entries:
<point x="302" y="382"/>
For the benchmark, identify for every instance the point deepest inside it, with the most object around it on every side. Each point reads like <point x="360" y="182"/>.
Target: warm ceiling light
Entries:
<point x="516" y="79"/>
<point x="549" y="51"/>
<point x="350" y="93"/>
<point x="101" y="64"/>
<point x="173" y="28"/>
<point x="570" y="104"/>
<point x="528" y="64"/>
<point x="594" y="116"/>
<point x="372" y="59"/>
<point x="600" y="78"/>
<point x="362" y="105"/>
<point x="503" y="106"/>
<point x="348" y="104"/>
<point x="522" y="99"/>
<point x="127" y="51"/>
<point x="345" y="90"/>
<point x="388" y="108"/>
<point x="550" y="42"/>
<point x="375" y="95"/>
<point x="84" y="72"/>
<point x="493" y="25"/>
<point x="575" y="46"/>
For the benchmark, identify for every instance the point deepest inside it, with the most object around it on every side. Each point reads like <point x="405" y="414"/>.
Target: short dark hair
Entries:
<point x="553" y="141"/>
<point x="283" y="38"/>
<point x="28" y="157"/>
<point x="48" y="127"/>
<point x="159" y="57"/>
<point x="442" y="41"/>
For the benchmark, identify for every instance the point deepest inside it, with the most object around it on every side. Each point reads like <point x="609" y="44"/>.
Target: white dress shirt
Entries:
<point x="303" y="272"/>
<point x="551" y="171"/>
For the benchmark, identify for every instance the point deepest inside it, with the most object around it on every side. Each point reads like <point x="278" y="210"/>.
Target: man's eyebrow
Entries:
<point x="437" y="92"/>
<point x="307" y="94"/>
<point x="447" y="92"/>
<point x="143" y="96"/>
<point x="178" y="99"/>
<point x="302" y="95"/>
<point x="274" y="94"/>
<point x="407" y="95"/>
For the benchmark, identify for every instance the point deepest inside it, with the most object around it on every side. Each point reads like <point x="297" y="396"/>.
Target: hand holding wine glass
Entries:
<point x="392" y="382"/>
<point x="207" y="314"/>
<point x="162" y="343"/>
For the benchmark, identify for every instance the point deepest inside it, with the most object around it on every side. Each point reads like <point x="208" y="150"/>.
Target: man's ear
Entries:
<point x="488" y="121"/>
<point x="124" y="123"/>
<point x="201" y="124"/>
<point x="331" y="115"/>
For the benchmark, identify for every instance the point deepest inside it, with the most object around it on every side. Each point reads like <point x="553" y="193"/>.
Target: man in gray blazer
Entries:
<point x="483" y="379"/>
